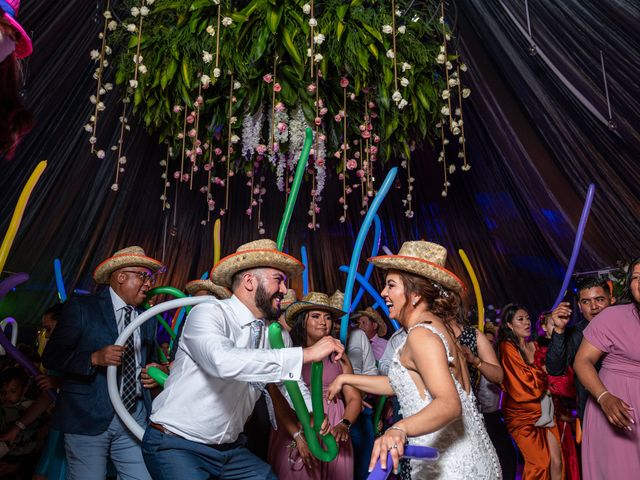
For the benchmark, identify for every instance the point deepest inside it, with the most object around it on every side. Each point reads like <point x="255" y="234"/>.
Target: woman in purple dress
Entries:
<point x="611" y="442"/>
<point x="289" y="456"/>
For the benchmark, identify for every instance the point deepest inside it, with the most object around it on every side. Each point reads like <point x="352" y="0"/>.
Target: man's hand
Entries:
<point x="321" y="349"/>
<point x="147" y="381"/>
<point x="45" y="382"/>
<point x="561" y="316"/>
<point x="108" y="355"/>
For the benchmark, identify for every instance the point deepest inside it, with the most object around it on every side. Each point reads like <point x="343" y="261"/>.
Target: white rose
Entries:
<point x="107" y="49"/>
<point x="94" y="54"/>
<point x="453" y="82"/>
<point x="444" y="111"/>
<point x="205" y="80"/>
<point x="441" y="58"/>
<point x="402" y="29"/>
<point x="227" y="21"/>
<point x="446" y="94"/>
<point x="233" y="120"/>
<point x="317" y="58"/>
<point x="131" y="27"/>
<point x="88" y="128"/>
<point x="150" y="2"/>
<point x="449" y="65"/>
<point x="313" y="22"/>
<point x="236" y="85"/>
<point x="387" y="29"/>
<point x="135" y="11"/>
<point x="466" y="92"/>
<point x="318" y="39"/>
<point x="216" y="73"/>
<point x="235" y="138"/>
<point x="397" y="96"/>
<point x="144" y="11"/>
<point x="206" y="57"/>
<point x="107" y="14"/>
<point x="406" y="66"/>
<point x="133" y="83"/>
<point x="306" y="8"/>
<point x="142" y="69"/>
<point x="463" y="67"/>
<point x="93" y="99"/>
<point x="112" y="25"/>
<point x="108" y="86"/>
<point x="100" y="154"/>
<point x="211" y="31"/>
<point x="137" y="58"/>
<point x="402" y="104"/>
<point x="390" y="54"/>
<point x="404" y="81"/>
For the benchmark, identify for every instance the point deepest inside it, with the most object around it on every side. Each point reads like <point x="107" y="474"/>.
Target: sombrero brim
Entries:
<point x="226" y="268"/>
<point x="217" y="291"/>
<point x="103" y="271"/>
<point x="24" y="47"/>
<point x="421" y="267"/>
<point x="296" y="308"/>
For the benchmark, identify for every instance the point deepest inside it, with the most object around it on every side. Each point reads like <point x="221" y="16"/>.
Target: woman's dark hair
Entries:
<point x="441" y="301"/>
<point x="505" y="334"/>
<point x="299" y="330"/>
<point x="627" y="296"/>
<point x="54" y="311"/>
<point x="14" y="373"/>
<point x="15" y="119"/>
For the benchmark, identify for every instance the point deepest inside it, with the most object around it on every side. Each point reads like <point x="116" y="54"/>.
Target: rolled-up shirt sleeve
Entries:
<point x="206" y="340"/>
<point x="306" y="394"/>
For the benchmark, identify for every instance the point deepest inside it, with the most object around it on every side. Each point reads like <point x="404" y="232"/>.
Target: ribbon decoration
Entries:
<point x="576" y="244"/>
<point x="357" y="249"/>
<point x="374" y="251"/>
<point x="310" y="433"/>
<point x="476" y="288"/>
<point x="57" y="271"/>
<point x="19" y="211"/>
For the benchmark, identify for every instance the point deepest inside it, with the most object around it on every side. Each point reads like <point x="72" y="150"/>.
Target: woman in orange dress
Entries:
<point x="525" y="387"/>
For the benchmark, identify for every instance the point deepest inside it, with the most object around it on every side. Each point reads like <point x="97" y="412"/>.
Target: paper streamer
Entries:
<point x="374" y="293"/>
<point x="216" y="241"/>
<point x="12" y="282"/>
<point x="305" y="272"/>
<point x="57" y="271"/>
<point x="410" y="451"/>
<point x="576" y="244"/>
<point x="374" y="251"/>
<point x="476" y="288"/>
<point x="357" y="249"/>
<point x="18" y="212"/>
<point x="295" y="187"/>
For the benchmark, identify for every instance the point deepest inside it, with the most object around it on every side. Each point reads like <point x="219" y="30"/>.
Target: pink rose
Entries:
<point x="323" y="111"/>
<point x="360" y="173"/>
<point x="207" y="167"/>
<point x="176" y="175"/>
<point x="311" y="87"/>
<point x="191" y="118"/>
<point x="373" y="149"/>
<point x="177" y="109"/>
<point x="320" y="162"/>
<point x="362" y="128"/>
<point x="344" y="82"/>
<point x="261" y="149"/>
<point x="198" y="151"/>
<point x="366" y="134"/>
<point x="268" y="78"/>
<point x="337" y="118"/>
<point x="281" y="127"/>
<point x="185" y="177"/>
<point x="181" y="135"/>
<point x="351" y="164"/>
<point x="317" y="121"/>
<point x="193" y="132"/>
<point x="217" y="151"/>
<point x="277" y="87"/>
<point x="372" y="105"/>
<point x="279" y="107"/>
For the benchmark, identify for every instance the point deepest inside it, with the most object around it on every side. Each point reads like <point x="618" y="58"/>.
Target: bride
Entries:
<point x="428" y="375"/>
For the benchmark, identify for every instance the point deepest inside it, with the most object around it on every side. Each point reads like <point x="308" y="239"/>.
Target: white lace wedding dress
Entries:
<point x="466" y="453"/>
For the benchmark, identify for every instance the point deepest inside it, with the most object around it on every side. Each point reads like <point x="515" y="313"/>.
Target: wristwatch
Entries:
<point x="346" y="423"/>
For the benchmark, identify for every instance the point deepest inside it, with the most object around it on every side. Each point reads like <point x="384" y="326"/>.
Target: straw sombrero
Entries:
<point x="311" y="301"/>
<point x="127" y="257"/>
<point x="259" y="253"/>
<point x="288" y="299"/>
<point x="10" y="9"/>
<point x="216" y="290"/>
<point x="373" y="315"/>
<point x="337" y="299"/>
<point x="425" y="259"/>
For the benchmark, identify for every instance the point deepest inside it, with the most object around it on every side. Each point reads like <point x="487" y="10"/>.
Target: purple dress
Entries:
<point x="610" y="452"/>
<point x="286" y="463"/>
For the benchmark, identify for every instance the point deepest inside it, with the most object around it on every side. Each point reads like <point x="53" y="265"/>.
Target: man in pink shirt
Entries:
<point x="372" y="324"/>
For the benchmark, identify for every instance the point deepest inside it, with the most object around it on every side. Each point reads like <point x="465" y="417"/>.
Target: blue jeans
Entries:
<point x="169" y="457"/>
<point x="87" y="454"/>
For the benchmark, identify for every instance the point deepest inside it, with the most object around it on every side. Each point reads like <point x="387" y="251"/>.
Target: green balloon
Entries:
<point x="158" y="375"/>
<point x="378" y="413"/>
<point x="165" y="290"/>
<point x="310" y="434"/>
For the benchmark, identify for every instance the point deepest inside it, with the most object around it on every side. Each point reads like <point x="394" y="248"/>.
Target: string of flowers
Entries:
<point x="165" y="165"/>
<point x="231" y="140"/>
<point x="342" y="116"/>
<point x="211" y="204"/>
<point x="462" y="93"/>
<point x="101" y="58"/>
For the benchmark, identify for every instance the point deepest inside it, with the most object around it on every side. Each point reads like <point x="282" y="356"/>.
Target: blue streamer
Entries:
<point x="57" y="270"/>
<point x="374" y="293"/>
<point x="305" y="272"/>
<point x="357" y="249"/>
<point x="374" y="251"/>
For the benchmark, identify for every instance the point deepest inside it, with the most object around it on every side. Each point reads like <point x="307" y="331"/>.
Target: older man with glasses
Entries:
<point x="82" y="347"/>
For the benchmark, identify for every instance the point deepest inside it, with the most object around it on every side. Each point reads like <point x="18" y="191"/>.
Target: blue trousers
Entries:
<point x="362" y="438"/>
<point x="87" y="454"/>
<point x="169" y="457"/>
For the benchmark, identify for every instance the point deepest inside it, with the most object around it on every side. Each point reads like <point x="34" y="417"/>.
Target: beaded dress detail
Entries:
<point x="466" y="451"/>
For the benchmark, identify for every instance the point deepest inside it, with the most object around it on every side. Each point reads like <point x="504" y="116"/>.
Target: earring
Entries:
<point x="414" y="303"/>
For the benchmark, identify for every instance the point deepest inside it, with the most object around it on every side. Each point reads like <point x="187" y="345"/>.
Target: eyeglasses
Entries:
<point x="144" y="276"/>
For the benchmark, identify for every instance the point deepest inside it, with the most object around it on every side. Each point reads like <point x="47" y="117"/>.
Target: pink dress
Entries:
<point x="610" y="452"/>
<point x="286" y="463"/>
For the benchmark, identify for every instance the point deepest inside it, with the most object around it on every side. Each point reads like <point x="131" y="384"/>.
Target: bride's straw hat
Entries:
<point x="425" y="259"/>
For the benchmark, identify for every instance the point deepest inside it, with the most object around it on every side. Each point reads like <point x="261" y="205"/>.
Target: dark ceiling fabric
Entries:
<point x="532" y="146"/>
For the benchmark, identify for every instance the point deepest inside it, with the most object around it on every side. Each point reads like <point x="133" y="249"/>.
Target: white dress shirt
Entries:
<point x="396" y="340"/>
<point x="360" y="353"/>
<point x="118" y="307"/>
<point x="208" y="397"/>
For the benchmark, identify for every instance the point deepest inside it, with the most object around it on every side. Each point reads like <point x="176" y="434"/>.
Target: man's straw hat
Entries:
<point x="127" y="257"/>
<point x="216" y="290"/>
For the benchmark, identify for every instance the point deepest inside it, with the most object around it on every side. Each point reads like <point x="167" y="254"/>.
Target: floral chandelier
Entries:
<point x="230" y="87"/>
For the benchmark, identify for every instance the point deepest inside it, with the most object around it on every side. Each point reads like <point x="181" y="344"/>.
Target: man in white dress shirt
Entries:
<point x="220" y="370"/>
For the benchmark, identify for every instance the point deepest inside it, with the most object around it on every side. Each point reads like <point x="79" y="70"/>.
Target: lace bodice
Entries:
<point x="465" y="449"/>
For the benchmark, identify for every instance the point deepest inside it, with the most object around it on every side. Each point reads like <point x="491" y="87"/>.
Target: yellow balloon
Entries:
<point x="19" y="211"/>
<point x="216" y="241"/>
<point x="476" y="288"/>
<point x="42" y="342"/>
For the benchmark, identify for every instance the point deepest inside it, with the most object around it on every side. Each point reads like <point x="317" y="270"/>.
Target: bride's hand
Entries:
<point x="392" y="442"/>
<point x="334" y="388"/>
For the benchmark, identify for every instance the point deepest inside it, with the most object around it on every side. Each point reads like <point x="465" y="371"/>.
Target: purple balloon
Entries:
<point x="12" y="282"/>
<point x="22" y="360"/>
<point x="410" y="451"/>
<point x="576" y="244"/>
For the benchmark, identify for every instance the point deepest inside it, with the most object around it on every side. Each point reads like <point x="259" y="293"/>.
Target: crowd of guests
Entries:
<point x="551" y="399"/>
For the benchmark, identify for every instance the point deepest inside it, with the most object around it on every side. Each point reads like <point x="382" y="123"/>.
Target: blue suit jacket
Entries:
<point x="87" y="324"/>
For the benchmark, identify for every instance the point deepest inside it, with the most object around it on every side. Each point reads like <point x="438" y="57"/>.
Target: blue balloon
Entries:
<point x="57" y="271"/>
<point x="204" y="276"/>
<point x="374" y="293"/>
<point x="357" y="249"/>
<point x="369" y="270"/>
<point x="576" y="244"/>
<point x="410" y="451"/>
<point x="305" y="272"/>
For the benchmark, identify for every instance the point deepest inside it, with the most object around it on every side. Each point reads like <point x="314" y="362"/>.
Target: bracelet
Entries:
<point x="297" y="434"/>
<point x="479" y="364"/>
<point x="393" y="427"/>
<point x="20" y="425"/>
<point x="601" y="395"/>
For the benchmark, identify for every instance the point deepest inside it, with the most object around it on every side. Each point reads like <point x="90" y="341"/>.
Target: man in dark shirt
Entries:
<point x="593" y="297"/>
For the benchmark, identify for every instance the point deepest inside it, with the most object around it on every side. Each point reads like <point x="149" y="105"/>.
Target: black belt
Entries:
<point x="222" y="447"/>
